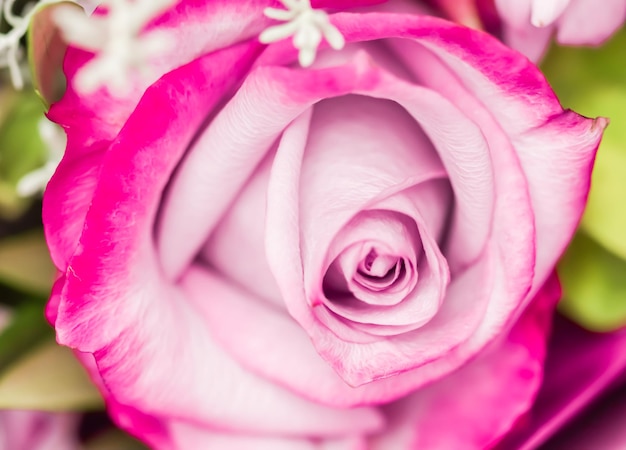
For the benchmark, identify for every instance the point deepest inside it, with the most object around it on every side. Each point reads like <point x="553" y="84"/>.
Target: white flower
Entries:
<point x="306" y="25"/>
<point x="121" y="49"/>
<point x="54" y="139"/>
<point x="10" y="52"/>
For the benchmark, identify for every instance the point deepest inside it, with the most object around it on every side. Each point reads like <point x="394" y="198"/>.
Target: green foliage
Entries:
<point x="114" y="439"/>
<point x="27" y="329"/>
<point x="48" y="378"/>
<point x="21" y="147"/>
<point x="25" y="263"/>
<point x="592" y="81"/>
<point x="35" y="372"/>
<point x="594" y="282"/>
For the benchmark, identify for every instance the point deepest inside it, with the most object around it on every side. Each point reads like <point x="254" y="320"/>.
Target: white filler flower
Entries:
<point x="121" y="48"/>
<point x="306" y="25"/>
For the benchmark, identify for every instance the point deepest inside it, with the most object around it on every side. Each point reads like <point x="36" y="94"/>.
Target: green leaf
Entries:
<point x="114" y="439"/>
<point x="46" y="50"/>
<point x="21" y="150"/>
<point x="594" y="285"/>
<point x="8" y="97"/>
<point x="25" y="263"/>
<point x="21" y="147"/>
<point x="48" y="378"/>
<point x="27" y="329"/>
<point x="593" y="82"/>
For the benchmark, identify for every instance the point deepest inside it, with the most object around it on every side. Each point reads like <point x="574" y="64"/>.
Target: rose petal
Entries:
<point x="236" y="248"/>
<point x="583" y="23"/>
<point x="416" y="307"/>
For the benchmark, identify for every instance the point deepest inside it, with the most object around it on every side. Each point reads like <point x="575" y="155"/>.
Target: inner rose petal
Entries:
<point x="376" y="255"/>
<point x="413" y="297"/>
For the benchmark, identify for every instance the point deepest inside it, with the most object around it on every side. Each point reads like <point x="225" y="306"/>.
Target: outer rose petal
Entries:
<point x="458" y="411"/>
<point x="89" y="139"/>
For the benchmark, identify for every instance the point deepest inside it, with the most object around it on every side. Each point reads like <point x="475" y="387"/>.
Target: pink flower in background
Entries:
<point x="581" y="367"/>
<point x="35" y="430"/>
<point x="257" y="255"/>
<point x="529" y="24"/>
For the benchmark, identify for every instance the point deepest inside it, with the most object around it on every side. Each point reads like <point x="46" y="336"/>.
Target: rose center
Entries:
<point x="378" y="272"/>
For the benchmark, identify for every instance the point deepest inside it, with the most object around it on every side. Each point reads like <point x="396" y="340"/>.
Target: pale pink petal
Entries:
<point x="531" y="41"/>
<point x="236" y="247"/>
<point x="438" y="128"/>
<point x="518" y="30"/>
<point x="233" y="399"/>
<point x="585" y="22"/>
<point x="417" y="305"/>
<point x="38" y="430"/>
<point x="221" y="160"/>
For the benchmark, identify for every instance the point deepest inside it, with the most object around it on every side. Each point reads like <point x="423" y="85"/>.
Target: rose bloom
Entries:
<point x="358" y="254"/>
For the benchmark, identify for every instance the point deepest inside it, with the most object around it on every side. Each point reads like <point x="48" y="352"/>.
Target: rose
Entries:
<point x="528" y="25"/>
<point x="402" y="251"/>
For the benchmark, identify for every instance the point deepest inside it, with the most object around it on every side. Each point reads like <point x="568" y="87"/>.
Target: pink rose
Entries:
<point x="529" y="24"/>
<point x="256" y="255"/>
